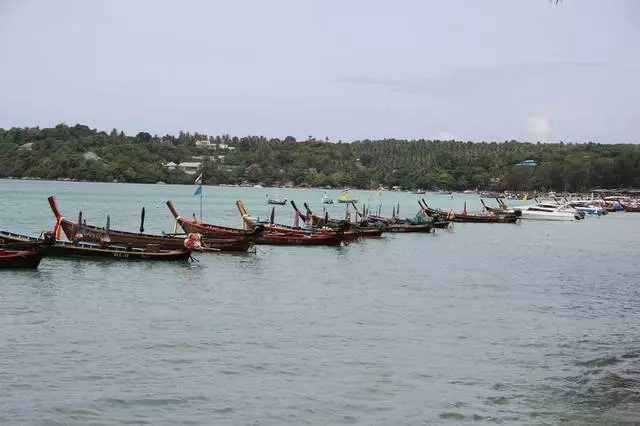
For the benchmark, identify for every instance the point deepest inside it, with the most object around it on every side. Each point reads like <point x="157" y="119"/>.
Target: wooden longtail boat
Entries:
<point x="208" y="230"/>
<point x="256" y="235"/>
<point x="361" y="228"/>
<point x="20" y="259"/>
<point x="271" y="227"/>
<point x="472" y="218"/>
<point x="56" y="248"/>
<point x="503" y="208"/>
<point x="96" y="234"/>
<point x="437" y="222"/>
<point x="393" y="224"/>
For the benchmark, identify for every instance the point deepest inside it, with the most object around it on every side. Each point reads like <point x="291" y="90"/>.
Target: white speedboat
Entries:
<point x="550" y="211"/>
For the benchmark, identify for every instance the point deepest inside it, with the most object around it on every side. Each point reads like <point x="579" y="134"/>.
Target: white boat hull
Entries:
<point x="556" y="216"/>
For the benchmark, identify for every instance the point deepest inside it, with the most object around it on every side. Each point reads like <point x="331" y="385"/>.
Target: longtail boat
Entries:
<point x="56" y="248"/>
<point x="96" y="234"/>
<point x="420" y="223"/>
<point x="437" y="222"/>
<point x="465" y="217"/>
<point x="271" y="227"/>
<point x="276" y="201"/>
<point x="256" y="235"/>
<point x="503" y="208"/>
<point x="20" y="259"/>
<point x="208" y="230"/>
<point x="362" y="228"/>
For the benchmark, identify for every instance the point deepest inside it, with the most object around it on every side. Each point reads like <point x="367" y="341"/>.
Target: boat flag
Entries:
<point x="198" y="191"/>
<point x="464" y="211"/>
<point x="198" y="186"/>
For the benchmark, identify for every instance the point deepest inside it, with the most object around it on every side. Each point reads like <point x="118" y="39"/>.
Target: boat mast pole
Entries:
<point x="201" y="218"/>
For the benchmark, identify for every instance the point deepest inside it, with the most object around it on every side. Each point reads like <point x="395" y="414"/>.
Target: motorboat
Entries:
<point x="551" y="211"/>
<point x="588" y="207"/>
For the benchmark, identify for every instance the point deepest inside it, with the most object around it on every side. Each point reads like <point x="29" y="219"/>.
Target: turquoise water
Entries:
<point x="534" y="323"/>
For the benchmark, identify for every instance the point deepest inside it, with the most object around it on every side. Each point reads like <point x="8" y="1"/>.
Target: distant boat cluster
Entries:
<point x="77" y="239"/>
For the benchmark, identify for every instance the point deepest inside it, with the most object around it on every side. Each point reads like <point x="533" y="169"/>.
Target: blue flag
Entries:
<point x="199" y="186"/>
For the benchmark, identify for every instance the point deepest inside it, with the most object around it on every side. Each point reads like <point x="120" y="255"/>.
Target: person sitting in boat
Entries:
<point x="104" y="242"/>
<point x="77" y="237"/>
<point x="49" y="238"/>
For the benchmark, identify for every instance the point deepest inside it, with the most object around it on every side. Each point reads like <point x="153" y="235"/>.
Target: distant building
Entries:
<point x="26" y="147"/>
<point x="205" y="143"/>
<point x="91" y="156"/>
<point x="529" y="163"/>
<point x="190" y="167"/>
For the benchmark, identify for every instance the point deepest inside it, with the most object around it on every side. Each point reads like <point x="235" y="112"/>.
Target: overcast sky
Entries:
<point x="343" y="69"/>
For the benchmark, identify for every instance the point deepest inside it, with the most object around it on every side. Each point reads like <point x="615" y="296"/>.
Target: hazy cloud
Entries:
<point x="471" y="81"/>
<point x="539" y="128"/>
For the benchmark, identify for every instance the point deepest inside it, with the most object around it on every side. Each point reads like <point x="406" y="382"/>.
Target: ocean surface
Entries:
<point x="529" y="324"/>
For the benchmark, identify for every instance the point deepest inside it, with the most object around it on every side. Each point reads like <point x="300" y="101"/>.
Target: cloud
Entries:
<point x="539" y="128"/>
<point x="470" y="81"/>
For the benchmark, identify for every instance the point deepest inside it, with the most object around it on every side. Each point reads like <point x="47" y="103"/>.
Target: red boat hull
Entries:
<point x="299" y="240"/>
<point x="14" y="259"/>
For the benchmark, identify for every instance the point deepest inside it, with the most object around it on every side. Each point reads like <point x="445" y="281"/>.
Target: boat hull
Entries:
<point x="20" y="259"/>
<point x="85" y="250"/>
<point x="558" y="217"/>
<point x="395" y="228"/>
<point x="474" y="218"/>
<point x="299" y="240"/>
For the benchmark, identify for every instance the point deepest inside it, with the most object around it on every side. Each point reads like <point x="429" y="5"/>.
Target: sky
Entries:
<point x="481" y="70"/>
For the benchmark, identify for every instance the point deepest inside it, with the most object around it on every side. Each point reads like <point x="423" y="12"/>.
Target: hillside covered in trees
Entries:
<point x="78" y="152"/>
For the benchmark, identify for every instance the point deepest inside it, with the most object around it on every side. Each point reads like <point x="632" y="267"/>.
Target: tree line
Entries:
<point x="81" y="153"/>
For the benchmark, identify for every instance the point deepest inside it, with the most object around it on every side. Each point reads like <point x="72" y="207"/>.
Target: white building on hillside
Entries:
<point x="189" y="167"/>
<point x="205" y="143"/>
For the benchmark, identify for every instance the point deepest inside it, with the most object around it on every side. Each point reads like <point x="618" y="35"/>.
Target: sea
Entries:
<point x="536" y="323"/>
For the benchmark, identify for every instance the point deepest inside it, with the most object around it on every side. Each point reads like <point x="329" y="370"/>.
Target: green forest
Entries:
<point x="81" y="153"/>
